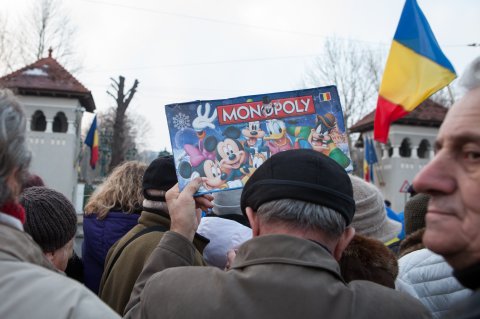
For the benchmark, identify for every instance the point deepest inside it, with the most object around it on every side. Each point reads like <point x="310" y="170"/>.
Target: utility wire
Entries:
<point x="238" y="24"/>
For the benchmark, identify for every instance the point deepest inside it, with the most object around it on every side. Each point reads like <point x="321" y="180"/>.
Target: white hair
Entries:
<point x="13" y="149"/>
<point x="471" y="77"/>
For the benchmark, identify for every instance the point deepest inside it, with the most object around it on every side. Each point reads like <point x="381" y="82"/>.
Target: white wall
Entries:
<point x="54" y="155"/>
<point x="395" y="170"/>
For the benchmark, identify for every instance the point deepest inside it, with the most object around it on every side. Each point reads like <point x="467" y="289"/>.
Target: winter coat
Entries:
<point x="99" y="236"/>
<point x="468" y="308"/>
<point x="427" y="277"/>
<point x="116" y="286"/>
<point x="30" y="287"/>
<point x="273" y="276"/>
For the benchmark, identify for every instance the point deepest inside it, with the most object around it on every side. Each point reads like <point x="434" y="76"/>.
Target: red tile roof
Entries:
<point x="429" y="113"/>
<point x="47" y="77"/>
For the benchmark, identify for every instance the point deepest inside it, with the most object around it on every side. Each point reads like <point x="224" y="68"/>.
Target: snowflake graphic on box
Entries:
<point x="181" y="121"/>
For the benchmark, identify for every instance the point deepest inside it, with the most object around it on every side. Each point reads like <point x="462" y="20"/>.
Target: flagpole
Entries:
<point x="450" y="93"/>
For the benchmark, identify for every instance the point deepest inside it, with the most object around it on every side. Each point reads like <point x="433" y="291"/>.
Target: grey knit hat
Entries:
<point x="415" y="211"/>
<point x="370" y="216"/>
<point x="50" y="217"/>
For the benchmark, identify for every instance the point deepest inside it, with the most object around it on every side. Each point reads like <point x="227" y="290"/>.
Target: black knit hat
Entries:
<point x="302" y="174"/>
<point x="160" y="175"/>
<point x="50" y="217"/>
<point x="415" y="211"/>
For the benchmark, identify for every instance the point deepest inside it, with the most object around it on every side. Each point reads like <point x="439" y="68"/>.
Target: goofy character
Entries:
<point x="321" y="140"/>
<point x="254" y="135"/>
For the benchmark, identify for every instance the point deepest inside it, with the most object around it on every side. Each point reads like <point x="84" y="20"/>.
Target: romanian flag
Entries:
<point x="416" y="68"/>
<point x="324" y="96"/>
<point x="366" y="159"/>
<point x="369" y="160"/>
<point x="92" y="141"/>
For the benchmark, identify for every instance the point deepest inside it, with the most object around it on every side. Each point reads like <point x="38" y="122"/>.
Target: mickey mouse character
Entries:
<point x="231" y="155"/>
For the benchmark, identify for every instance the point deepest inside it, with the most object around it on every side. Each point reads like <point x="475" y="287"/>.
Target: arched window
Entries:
<point x="60" y="123"/>
<point x="405" y="148"/>
<point x="38" y="122"/>
<point x="423" y="150"/>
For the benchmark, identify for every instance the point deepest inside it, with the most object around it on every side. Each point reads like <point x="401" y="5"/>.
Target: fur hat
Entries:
<point x="160" y="175"/>
<point x="371" y="217"/>
<point x="304" y="175"/>
<point x="415" y="211"/>
<point x="369" y="259"/>
<point x="227" y="202"/>
<point x="50" y="217"/>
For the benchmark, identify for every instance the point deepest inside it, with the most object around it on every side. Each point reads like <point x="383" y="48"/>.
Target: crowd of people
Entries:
<point x="309" y="243"/>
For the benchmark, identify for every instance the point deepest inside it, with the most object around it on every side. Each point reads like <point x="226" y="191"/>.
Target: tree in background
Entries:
<point x="46" y="25"/>
<point x="355" y="69"/>
<point x="444" y="97"/>
<point x="121" y="141"/>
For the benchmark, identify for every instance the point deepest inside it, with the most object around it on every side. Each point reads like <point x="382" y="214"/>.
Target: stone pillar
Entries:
<point x="396" y="150"/>
<point x="71" y="127"/>
<point x="49" y="126"/>
<point x="414" y="152"/>
<point x="384" y="152"/>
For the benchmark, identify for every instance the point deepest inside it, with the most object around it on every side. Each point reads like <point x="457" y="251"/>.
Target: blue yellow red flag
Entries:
<point x="92" y="141"/>
<point x="416" y="68"/>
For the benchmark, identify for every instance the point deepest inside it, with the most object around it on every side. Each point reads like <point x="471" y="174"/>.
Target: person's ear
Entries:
<point x="49" y="256"/>
<point x="343" y="242"/>
<point x="253" y="219"/>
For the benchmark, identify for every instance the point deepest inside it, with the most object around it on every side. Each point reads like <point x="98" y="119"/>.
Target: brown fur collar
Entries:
<point x="412" y="243"/>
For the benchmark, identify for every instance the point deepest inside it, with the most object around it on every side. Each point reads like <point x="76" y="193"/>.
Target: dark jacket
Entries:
<point x="273" y="276"/>
<point x="116" y="286"/>
<point x="99" y="236"/>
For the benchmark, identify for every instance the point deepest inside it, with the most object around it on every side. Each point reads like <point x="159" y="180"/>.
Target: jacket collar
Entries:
<point x="11" y="221"/>
<point x="285" y="249"/>
<point x="151" y="217"/>
<point x="17" y="245"/>
<point x="469" y="277"/>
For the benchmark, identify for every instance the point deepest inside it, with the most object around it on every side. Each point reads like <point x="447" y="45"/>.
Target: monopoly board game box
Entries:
<point x="225" y="141"/>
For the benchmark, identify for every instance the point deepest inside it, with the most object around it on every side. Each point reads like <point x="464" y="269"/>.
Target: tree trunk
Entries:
<point x="123" y="100"/>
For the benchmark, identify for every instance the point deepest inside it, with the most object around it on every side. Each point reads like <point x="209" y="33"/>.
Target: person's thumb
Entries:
<point x="192" y="187"/>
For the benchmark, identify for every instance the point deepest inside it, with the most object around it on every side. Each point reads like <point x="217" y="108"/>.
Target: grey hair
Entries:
<point x="13" y="149"/>
<point x="303" y="215"/>
<point x="471" y="77"/>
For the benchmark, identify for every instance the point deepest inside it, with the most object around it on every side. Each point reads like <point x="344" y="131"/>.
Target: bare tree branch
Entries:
<point x="46" y="24"/>
<point x="355" y="70"/>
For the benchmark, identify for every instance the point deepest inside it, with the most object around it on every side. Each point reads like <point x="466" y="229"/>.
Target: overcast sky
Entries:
<point x="211" y="49"/>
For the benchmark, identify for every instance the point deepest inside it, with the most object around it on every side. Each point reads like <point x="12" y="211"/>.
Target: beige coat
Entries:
<point x="31" y="288"/>
<point x="274" y="276"/>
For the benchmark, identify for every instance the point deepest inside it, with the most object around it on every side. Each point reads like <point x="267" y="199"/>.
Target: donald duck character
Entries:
<point x="277" y="139"/>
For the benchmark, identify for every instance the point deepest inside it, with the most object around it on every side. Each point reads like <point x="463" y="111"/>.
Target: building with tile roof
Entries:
<point x="409" y="148"/>
<point x="54" y="102"/>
